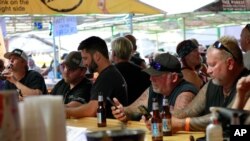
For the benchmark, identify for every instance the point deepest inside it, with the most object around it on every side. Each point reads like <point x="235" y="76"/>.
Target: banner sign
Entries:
<point x="234" y="5"/>
<point x="74" y="7"/>
<point x="64" y="26"/>
<point x="227" y="5"/>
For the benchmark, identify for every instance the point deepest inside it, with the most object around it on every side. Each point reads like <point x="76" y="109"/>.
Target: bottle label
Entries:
<point x="164" y="102"/>
<point x="99" y="117"/>
<point x="166" y="125"/>
<point x="100" y="98"/>
<point x="155" y="106"/>
<point x="156" y="129"/>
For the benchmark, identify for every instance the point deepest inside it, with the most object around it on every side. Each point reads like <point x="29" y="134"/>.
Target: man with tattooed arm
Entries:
<point x="225" y="67"/>
<point x="167" y="80"/>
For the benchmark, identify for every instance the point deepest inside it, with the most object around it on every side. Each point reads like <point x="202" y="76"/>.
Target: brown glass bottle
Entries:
<point x="166" y="118"/>
<point x="101" y="111"/>
<point x="156" y="122"/>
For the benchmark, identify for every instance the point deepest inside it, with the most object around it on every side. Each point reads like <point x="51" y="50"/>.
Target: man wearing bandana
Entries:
<point x="189" y="56"/>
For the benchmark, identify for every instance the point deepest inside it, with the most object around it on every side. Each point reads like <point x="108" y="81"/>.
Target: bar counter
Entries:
<point x="91" y="124"/>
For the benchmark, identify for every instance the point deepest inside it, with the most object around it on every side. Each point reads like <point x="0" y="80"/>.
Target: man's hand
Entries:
<point x="147" y="122"/>
<point x="10" y="77"/>
<point x="243" y="86"/>
<point x="119" y="112"/>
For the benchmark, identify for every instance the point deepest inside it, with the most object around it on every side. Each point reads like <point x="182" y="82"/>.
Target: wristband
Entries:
<point x="187" y="124"/>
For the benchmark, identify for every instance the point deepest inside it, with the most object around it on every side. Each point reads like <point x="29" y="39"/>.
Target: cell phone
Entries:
<point x="144" y="111"/>
<point x="111" y="102"/>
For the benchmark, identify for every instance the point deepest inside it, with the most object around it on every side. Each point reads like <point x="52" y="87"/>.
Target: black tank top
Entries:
<point x="215" y="96"/>
<point x="183" y="86"/>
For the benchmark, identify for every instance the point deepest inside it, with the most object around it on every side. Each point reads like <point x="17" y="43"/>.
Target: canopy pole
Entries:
<point x="112" y="31"/>
<point x="184" y="28"/>
<point x="131" y="22"/>
<point x="54" y="47"/>
<point x="157" y="43"/>
<point x="218" y="32"/>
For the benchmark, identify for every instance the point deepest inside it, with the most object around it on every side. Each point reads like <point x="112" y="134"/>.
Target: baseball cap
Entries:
<point x="17" y="52"/>
<point x="163" y="63"/>
<point x="74" y="60"/>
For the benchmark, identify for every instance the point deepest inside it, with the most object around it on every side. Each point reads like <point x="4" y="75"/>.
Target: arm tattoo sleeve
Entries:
<point x="199" y="123"/>
<point x="142" y="100"/>
<point x="183" y="100"/>
<point x="195" y="107"/>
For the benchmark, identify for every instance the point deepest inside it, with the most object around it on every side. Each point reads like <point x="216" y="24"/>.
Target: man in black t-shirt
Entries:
<point x="136" y="79"/>
<point x="110" y="82"/>
<point x="74" y="87"/>
<point x="28" y="82"/>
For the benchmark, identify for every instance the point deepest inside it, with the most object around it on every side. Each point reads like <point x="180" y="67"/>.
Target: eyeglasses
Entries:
<point x="219" y="45"/>
<point x="248" y="27"/>
<point x="157" y="66"/>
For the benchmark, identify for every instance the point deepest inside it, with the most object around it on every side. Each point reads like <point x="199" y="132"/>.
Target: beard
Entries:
<point x="216" y="82"/>
<point x="93" y="67"/>
<point x="155" y="89"/>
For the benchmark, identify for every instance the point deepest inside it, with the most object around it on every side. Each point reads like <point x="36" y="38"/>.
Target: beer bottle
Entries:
<point x="166" y="118"/>
<point x="101" y="111"/>
<point x="156" y="123"/>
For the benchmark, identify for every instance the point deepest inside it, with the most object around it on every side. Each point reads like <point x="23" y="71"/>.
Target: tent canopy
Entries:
<point x="76" y="7"/>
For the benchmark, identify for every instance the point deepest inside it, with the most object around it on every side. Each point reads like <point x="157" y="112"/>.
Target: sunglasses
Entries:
<point x="219" y="45"/>
<point x="157" y="66"/>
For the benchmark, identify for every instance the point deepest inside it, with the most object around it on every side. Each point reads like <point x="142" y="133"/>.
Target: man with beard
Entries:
<point x="225" y="66"/>
<point x="18" y="77"/>
<point x="74" y="87"/>
<point x="110" y="82"/>
<point x="167" y="81"/>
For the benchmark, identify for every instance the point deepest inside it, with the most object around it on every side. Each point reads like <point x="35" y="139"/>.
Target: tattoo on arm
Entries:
<point x="183" y="100"/>
<point x="195" y="107"/>
<point x="199" y="123"/>
<point x="142" y="100"/>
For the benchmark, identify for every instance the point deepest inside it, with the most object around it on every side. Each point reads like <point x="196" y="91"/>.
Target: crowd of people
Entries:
<point x="191" y="85"/>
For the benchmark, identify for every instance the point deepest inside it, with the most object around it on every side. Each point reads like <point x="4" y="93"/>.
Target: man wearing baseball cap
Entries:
<point x="167" y="81"/>
<point x="28" y="82"/>
<point x="74" y="87"/>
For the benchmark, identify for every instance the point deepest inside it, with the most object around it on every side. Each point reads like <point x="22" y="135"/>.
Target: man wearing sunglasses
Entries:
<point x="167" y="80"/>
<point x="225" y="67"/>
<point x="74" y="87"/>
<point x="245" y="45"/>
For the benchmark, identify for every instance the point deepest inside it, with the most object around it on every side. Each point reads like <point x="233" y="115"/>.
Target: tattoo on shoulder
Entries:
<point x="195" y="107"/>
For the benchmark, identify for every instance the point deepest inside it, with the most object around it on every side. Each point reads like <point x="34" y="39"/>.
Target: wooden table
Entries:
<point x="91" y="124"/>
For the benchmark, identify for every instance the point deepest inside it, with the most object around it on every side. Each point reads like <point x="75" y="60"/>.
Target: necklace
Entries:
<point x="227" y="93"/>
